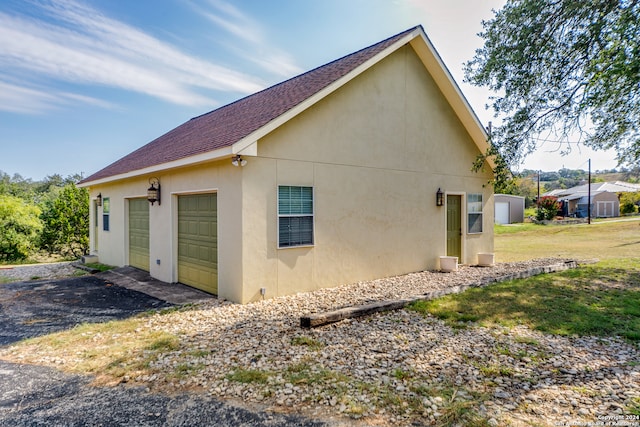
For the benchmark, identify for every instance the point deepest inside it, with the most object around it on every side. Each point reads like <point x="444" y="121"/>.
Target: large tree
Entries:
<point x="562" y="70"/>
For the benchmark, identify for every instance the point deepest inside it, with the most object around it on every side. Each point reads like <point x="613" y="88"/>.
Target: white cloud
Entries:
<point x="24" y="100"/>
<point x="17" y="99"/>
<point x="80" y="45"/>
<point x="233" y="21"/>
<point x="243" y="27"/>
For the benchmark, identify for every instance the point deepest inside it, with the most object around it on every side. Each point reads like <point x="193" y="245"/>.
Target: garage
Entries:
<point x="139" y="233"/>
<point x="502" y="213"/>
<point x="198" y="241"/>
<point x="508" y="209"/>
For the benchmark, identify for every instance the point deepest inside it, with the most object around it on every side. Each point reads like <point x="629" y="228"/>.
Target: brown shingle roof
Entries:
<point x="226" y="125"/>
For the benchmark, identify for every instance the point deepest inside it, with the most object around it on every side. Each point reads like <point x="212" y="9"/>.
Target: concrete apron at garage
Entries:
<point x="141" y="281"/>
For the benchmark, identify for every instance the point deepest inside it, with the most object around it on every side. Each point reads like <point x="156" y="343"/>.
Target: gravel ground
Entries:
<point x="56" y="270"/>
<point x="390" y="368"/>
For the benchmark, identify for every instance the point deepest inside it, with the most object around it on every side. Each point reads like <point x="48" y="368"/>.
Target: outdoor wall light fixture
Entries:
<point x="439" y="198"/>
<point x="238" y="161"/>
<point x="99" y="199"/>
<point x="153" y="193"/>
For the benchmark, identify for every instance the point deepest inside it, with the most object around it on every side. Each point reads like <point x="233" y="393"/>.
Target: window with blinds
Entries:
<point x="474" y="213"/>
<point x="295" y="216"/>
<point x="106" y="211"/>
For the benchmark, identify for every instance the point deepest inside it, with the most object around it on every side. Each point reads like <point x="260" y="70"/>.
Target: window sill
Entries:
<point x="296" y="247"/>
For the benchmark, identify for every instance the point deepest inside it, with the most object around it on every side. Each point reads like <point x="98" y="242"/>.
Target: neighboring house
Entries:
<point x="605" y="202"/>
<point x="509" y="209"/>
<point x="329" y="178"/>
<point x="609" y="186"/>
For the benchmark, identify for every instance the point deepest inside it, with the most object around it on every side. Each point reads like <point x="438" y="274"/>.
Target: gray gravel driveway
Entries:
<point x="41" y="396"/>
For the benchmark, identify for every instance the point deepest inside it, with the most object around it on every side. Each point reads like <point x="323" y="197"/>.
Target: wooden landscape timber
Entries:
<point x="321" y="319"/>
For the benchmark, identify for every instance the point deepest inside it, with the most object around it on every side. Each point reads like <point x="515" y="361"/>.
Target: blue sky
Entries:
<point x="84" y="82"/>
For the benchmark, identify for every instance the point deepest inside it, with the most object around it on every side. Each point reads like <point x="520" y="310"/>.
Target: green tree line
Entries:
<point x="50" y="216"/>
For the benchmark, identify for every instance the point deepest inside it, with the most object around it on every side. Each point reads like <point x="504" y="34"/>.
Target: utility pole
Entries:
<point x="589" y="196"/>
<point x="538" y="199"/>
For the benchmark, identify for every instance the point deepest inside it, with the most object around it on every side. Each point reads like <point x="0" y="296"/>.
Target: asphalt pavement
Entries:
<point x="30" y="309"/>
<point x="41" y="396"/>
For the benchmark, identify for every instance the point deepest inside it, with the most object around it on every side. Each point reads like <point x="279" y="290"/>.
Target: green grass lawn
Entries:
<point x="601" y="240"/>
<point x="598" y="300"/>
<point x="601" y="299"/>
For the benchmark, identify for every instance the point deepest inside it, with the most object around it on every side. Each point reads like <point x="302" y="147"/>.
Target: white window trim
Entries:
<point x="312" y="215"/>
<point x="481" y="214"/>
<point x="107" y="214"/>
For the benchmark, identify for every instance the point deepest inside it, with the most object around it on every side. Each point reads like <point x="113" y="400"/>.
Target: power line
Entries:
<point x="557" y="142"/>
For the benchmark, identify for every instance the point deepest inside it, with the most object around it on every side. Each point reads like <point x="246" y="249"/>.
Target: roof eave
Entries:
<point x="209" y="156"/>
<point x="451" y="91"/>
<point x="247" y="145"/>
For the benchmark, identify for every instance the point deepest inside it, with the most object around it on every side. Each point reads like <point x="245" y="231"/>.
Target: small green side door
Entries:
<point x="139" y="233"/>
<point x="454" y="226"/>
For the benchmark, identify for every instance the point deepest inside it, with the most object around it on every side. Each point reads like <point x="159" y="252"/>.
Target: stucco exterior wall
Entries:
<point x="219" y="177"/>
<point x="375" y="152"/>
<point x="113" y="243"/>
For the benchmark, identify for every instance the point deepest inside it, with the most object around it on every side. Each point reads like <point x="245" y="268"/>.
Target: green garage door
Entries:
<point x="139" y="233"/>
<point x="198" y="241"/>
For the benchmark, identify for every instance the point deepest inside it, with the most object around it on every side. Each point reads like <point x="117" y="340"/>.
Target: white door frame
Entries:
<point x="463" y="222"/>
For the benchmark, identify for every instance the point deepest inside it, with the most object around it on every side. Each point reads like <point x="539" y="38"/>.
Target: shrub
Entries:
<point x="547" y="208"/>
<point x="20" y="226"/>
<point x="627" y="208"/>
<point x="628" y="202"/>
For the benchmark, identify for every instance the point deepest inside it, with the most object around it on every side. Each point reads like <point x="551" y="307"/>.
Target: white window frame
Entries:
<point x="471" y="201"/>
<point x="106" y="214"/>
<point x="311" y="215"/>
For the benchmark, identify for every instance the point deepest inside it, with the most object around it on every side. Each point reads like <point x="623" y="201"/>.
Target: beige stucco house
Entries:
<point x="328" y="178"/>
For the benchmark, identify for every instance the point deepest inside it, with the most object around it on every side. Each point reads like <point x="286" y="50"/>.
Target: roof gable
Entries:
<point x="228" y="129"/>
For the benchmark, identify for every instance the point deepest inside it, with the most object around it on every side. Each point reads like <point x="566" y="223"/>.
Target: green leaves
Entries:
<point x="548" y="208"/>
<point x="66" y="222"/>
<point x="52" y="214"/>
<point x="20" y="226"/>
<point x="563" y="70"/>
